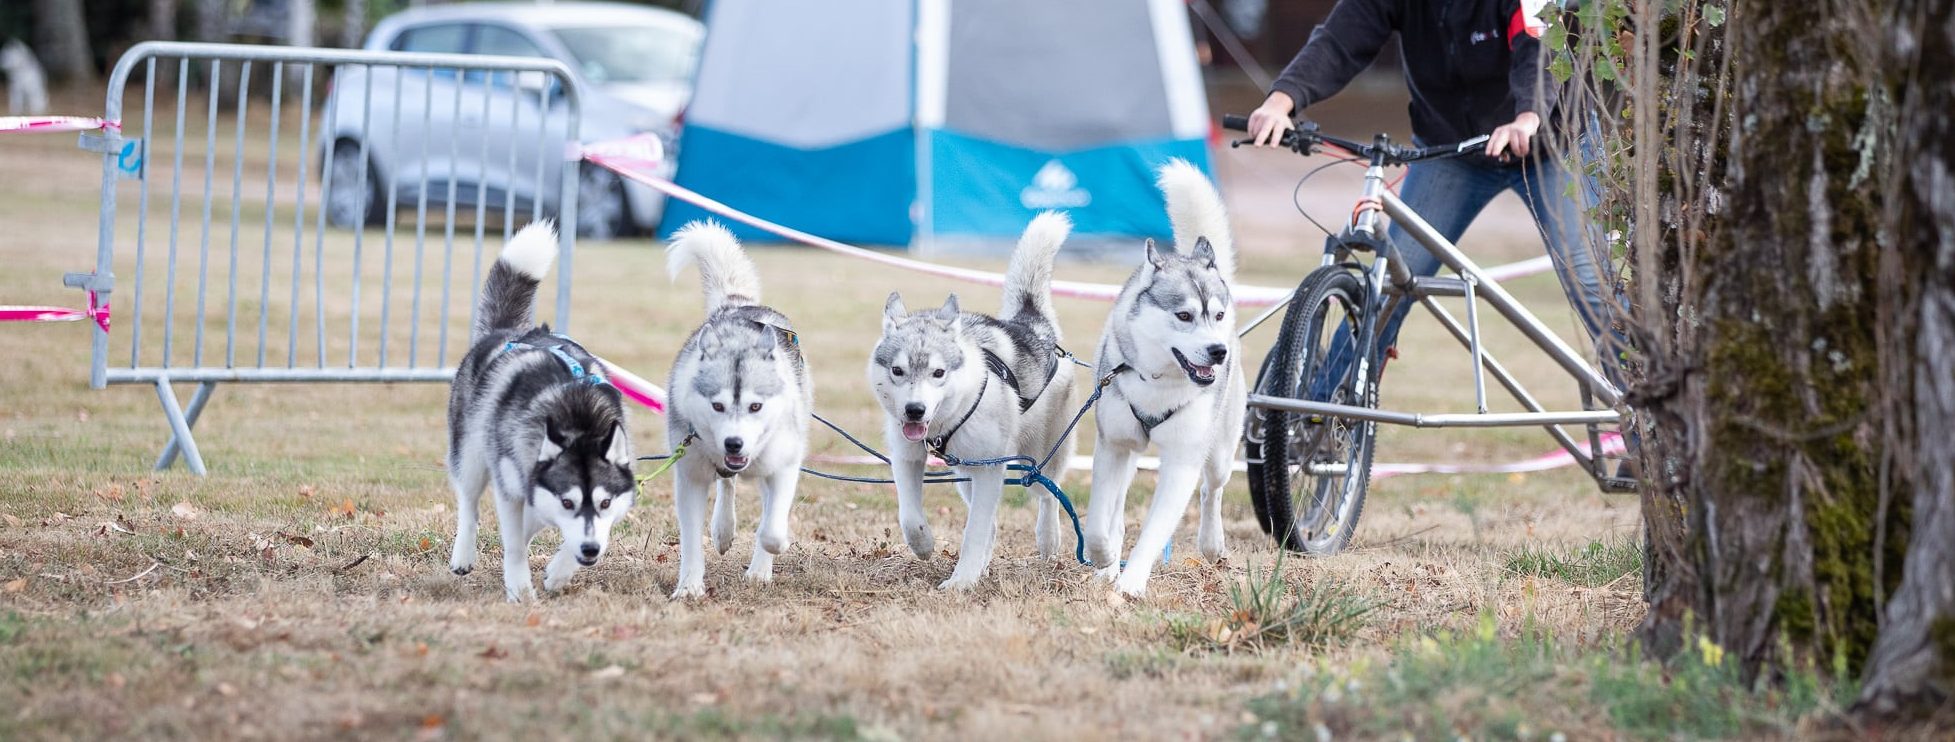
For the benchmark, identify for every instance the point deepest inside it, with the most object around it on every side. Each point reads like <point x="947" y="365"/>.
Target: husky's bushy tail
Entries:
<point x="1195" y="210"/>
<point x="510" y="290"/>
<point x="1028" y="282"/>
<point x="725" y="273"/>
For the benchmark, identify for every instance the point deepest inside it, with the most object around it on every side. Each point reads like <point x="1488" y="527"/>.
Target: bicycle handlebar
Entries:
<point x="1305" y="138"/>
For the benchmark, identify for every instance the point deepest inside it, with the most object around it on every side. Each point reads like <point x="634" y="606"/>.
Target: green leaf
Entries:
<point x="1714" y="15"/>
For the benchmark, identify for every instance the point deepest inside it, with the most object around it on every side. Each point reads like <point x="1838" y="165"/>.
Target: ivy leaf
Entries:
<point x="1714" y="15"/>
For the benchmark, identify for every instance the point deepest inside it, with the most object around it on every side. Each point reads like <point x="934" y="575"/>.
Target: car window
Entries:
<point x="501" y="41"/>
<point x="627" y="54"/>
<point x="444" y="38"/>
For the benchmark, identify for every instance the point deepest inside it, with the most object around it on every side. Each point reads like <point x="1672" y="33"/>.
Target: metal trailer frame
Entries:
<point x="1474" y="285"/>
<point x="126" y="158"/>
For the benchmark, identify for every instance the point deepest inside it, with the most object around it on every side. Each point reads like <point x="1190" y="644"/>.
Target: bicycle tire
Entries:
<point x="1323" y="523"/>
<point x="1252" y="443"/>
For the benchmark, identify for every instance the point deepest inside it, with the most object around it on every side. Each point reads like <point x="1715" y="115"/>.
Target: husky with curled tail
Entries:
<point x="1171" y="347"/>
<point x="977" y="387"/>
<point x="741" y="402"/>
<point x="532" y="413"/>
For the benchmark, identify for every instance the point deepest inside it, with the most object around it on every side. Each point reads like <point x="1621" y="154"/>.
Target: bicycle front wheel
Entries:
<point x="1315" y="469"/>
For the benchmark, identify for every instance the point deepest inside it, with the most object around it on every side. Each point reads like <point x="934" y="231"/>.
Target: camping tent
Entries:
<point x="935" y="122"/>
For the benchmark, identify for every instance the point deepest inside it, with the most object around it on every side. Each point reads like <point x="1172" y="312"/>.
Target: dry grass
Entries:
<point x="301" y="589"/>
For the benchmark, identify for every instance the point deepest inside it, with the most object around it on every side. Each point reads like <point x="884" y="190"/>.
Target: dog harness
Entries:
<point x="1147" y="422"/>
<point x="590" y="376"/>
<point x="939" y="445"/>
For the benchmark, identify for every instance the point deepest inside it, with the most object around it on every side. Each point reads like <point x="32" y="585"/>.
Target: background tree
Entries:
<point x="61" y="41"/>
<point x="1779" y="178"/>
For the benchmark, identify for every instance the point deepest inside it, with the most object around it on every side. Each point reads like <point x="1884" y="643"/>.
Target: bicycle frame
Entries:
<point x="1387" y="283"/>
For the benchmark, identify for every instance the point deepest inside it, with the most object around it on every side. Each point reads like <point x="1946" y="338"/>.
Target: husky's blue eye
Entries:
<point x="937" y="374"/>
<point x="717" y="407"/>
<point x="1184" y="316"/>
<point x="896" y="371"/>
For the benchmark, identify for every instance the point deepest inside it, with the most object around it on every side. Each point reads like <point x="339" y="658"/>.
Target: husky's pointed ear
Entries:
<point x="766" y="341"/>
<point x="618" y="449"/>
<point x="1154" y="256"/>
<point x="552" y="443"/>
<point x="1204" y="252"/>
<point x="949" y="310"/>
<point x="892" y="309"/>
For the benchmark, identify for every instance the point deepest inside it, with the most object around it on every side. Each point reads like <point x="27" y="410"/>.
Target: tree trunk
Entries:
<point x="162" y="20"/>
<point x="61" y="40"/>
<point x="1913" y="661"/>
<point x="213" y="20"/>
<point x="353" y="32"/>
<point x="1781" y="445"/>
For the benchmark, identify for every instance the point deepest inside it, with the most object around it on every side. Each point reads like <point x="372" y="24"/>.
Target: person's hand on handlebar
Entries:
<point x="1268" y="122"/>
<point x="1512" y="137"/>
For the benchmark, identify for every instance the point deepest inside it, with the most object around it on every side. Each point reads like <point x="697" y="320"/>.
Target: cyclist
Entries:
<point x="1474" y="67"/>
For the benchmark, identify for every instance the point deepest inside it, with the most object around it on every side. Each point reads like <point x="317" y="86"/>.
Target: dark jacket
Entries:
<point x="1472" y="65"/>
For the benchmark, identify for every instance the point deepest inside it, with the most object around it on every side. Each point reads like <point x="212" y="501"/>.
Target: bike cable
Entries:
<point x="1296" y="194"/>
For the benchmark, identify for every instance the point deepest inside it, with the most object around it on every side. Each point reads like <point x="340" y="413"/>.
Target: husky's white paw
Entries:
<point x="921" y="540"/>
<point x="1211" y="546"/>
<point x="960" y="583"/>
<point x="722" y="538"/>
<point x="689" y="590"/>
<point x="463" y="561"/>
<point x="775" y="543"/>
<point x="760" y="573"/>
<point x="554" y="577"/>
<point x="1098" y="551"/>
<point x="1108" y="573"/>
<point x="519" y="590"/>
<point x="1131" y="586"/>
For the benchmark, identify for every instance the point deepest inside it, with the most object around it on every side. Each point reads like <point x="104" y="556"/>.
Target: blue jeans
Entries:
<point x="1449" y="194"/>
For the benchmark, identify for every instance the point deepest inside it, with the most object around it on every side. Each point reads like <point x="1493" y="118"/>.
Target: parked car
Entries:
<point x="632" y="64"/>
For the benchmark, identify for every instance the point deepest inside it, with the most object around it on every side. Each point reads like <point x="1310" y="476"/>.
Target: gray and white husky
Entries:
<point x="977" y="387"/>
<point x="27" y="83"/>
<point x="1178" y="384"/>
<point x="741" y="401"/>
<point x="531" y="412"/>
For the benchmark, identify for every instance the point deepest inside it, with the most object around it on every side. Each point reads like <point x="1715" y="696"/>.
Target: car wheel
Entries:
<point x="601" y="210"/>
<point x="348" y="205"/>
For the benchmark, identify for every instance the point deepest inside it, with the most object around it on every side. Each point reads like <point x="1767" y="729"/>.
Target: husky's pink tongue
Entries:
<point x="915" y="431"/>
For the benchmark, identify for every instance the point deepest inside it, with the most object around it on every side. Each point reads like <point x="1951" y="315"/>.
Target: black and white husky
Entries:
<point x="741" y="401"/>
<point x="531" y="412"/>
<point x="1170" y="343"/>
<point x="977" y="387"/>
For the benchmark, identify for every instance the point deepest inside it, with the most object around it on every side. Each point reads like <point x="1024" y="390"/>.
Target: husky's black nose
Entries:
<point x="734" y="444"/>
<point x="1218" y="353"/>
<point x="913" y="410"/>
<point x="591" y="550"/>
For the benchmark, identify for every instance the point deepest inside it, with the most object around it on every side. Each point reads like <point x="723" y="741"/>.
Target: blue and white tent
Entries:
<point x="935" y="122"/>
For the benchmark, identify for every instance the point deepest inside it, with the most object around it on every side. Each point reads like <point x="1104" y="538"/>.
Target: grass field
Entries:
<point x="301" y="589"/>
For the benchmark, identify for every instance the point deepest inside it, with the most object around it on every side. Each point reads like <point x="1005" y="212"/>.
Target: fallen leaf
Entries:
<point x="111" y="493"/>
<point x="305" y="491"/>
<point x="226" y="689"/>
<point x="12" y="522"/>
<point x="185" y="511"/>
<point x="608" y="673"/>
<point x="296" y="540"/>
<point x="115" y="680"/>
<point x="426" y="544"/>
<point x="16" y="585"/>
<point x="420" y="649"/>
<point x="433" y="721"/>
<point x="1115" y="599"/>
<point x="344" y="509"/>
<point x="493" y="653"/>
<point x="533" y="620"/>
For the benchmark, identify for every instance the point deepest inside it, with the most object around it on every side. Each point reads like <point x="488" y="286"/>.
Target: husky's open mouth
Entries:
<point x="736" y="462"/>
<point x="1201" y="375"/>
<point x="915" y="432"/>
<point x="588" y="562"/>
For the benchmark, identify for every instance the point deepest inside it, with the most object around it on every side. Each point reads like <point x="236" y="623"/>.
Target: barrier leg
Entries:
<point x="180" y="426"/>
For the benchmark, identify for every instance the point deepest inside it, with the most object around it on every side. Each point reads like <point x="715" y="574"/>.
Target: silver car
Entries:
<point x="633" y="64"/>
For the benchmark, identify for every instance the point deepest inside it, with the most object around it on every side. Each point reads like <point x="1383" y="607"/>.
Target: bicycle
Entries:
<point x="1309" y="434"/>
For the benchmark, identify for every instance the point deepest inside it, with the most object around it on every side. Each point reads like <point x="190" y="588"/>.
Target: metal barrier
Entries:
<point x="480" y="137"/>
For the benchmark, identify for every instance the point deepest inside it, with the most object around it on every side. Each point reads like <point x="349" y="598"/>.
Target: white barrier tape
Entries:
<point x="1250" y="296"/>
<point x="1611" y="444"/>
<point x="54" y="124"/>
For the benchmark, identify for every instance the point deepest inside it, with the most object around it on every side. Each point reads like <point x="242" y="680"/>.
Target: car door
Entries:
<point x="517" y="131"/>
<point x="422" y="103"/>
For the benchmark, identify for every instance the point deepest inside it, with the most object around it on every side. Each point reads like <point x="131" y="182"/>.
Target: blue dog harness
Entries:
<point x="590" y="376"/>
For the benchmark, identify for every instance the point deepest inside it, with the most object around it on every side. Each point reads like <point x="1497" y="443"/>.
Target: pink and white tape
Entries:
<point x="54" y="124"/>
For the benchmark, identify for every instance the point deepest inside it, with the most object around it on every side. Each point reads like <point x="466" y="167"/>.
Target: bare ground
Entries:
<point x="301" y="590"/>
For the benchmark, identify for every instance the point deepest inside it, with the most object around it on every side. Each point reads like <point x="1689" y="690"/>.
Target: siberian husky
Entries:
<point x="27" y="84"/>
<point x="741" y="400"/>
<point x="977" y="387"/>
<point x="1170" y="344"/>
<point x="531" y="412"/>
